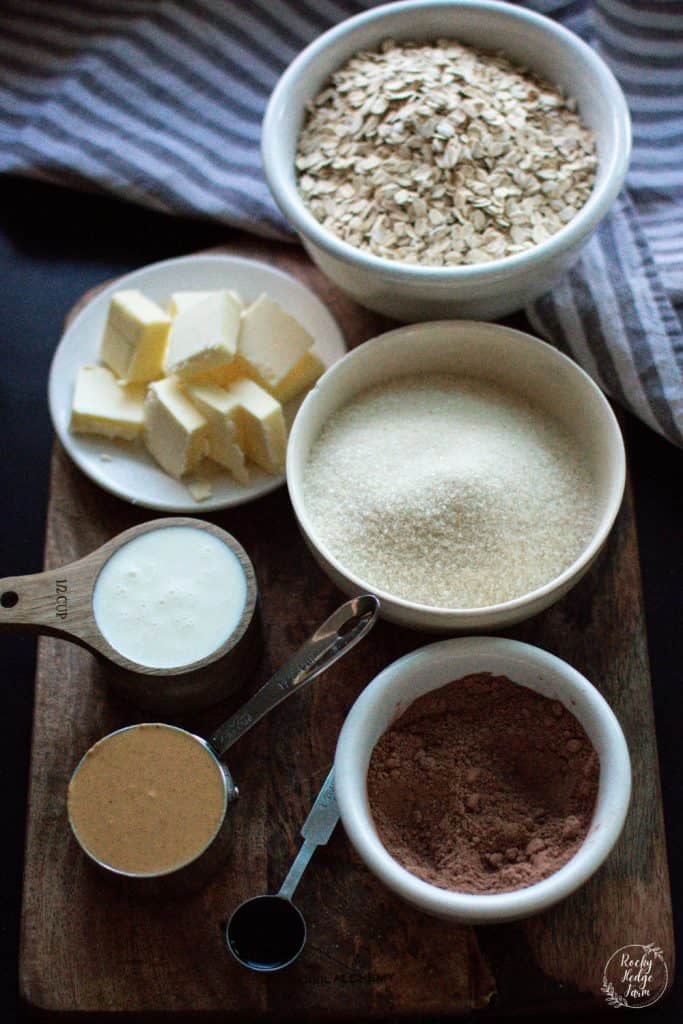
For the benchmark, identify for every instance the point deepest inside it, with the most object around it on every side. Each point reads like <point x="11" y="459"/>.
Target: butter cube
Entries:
<point x="263" y="425"/>
<point x="221" y="376"/>
<point x="224" y="416"/>
<point x="175" y="432"/>
<point x="180" y="301"/>
<point x="135" y="337"/>
<point x="271" y="343"/>
<point x="203" y="336"/>
<point x="103" y="406"/>
<point x="304" y="374"/>
<point x="200" y="489"/>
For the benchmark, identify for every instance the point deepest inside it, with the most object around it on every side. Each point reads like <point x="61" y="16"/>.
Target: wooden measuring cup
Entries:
<point x="59" y="602"/>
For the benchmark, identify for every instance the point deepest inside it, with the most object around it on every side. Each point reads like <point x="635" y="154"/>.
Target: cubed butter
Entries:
<point x="304" y="375"/>
<point x="263" y="425"/>
<point x="223" y="413"/>
<point x="221" y="376"/>
<point x="200" y="490"/>
<point x="271" y="343"/>
<point x="135" y="337"/>
<point x="203" y="336"/>
<point x="103" y="406"/>
<point x="175" y="432"/>
<point x="180" y="301"/>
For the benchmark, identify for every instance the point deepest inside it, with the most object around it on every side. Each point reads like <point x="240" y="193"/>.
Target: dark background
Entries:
<point x="54" y="246"/>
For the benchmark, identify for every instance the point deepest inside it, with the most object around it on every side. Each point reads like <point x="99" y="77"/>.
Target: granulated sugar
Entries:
<point x="449" y="491"/>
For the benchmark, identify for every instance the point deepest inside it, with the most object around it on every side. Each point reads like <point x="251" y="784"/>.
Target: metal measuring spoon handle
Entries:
<point x="267" y="933"/>
<point x="337" y="635"/>
<point x="316" y="831"/>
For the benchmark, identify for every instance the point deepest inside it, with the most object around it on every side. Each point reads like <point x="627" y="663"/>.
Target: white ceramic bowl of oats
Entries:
<point x="412" y="288"/>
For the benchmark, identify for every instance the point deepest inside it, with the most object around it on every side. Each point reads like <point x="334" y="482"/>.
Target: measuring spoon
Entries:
<point x="61" y="602"/>
<point x="267" y="933"/>
<point x="334" y="638"/>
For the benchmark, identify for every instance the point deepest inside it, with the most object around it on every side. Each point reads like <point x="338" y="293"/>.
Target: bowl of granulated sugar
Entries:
<point x="466" y="473"/>
<point x="482" y="779"/>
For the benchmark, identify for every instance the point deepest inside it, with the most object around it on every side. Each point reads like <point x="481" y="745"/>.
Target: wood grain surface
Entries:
<point x="88" y="946"/>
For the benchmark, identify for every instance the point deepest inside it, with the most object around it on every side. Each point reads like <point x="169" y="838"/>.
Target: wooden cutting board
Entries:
<point x="87" y="947"/>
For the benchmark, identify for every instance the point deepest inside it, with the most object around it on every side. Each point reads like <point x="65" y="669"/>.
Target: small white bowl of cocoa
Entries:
<point x="482" y="779"/>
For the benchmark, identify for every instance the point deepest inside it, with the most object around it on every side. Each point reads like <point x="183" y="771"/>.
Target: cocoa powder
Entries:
<point x="483" y="786"/>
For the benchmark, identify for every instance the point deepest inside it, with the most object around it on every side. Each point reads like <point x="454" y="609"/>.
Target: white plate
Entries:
<point x="127" y="470"/>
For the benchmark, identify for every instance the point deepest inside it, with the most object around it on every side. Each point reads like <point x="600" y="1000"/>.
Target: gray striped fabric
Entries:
<point x="160" y="102"/>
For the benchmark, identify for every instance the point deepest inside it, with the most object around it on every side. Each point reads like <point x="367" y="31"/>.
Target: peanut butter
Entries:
<point x="147" y="799"/>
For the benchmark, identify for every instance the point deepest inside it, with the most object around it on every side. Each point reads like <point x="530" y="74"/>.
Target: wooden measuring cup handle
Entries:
<point x="57" y="602"/>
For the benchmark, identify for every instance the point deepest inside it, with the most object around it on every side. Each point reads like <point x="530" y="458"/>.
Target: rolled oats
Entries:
<point x="441" y="154"/>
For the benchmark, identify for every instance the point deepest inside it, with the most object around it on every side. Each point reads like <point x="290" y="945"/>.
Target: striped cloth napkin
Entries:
<point x="160" y="102"/>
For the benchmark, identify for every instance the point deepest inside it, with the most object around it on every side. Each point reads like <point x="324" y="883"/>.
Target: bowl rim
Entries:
<point x="572" y="234"/>
<point x="438" y="613"/>
<point x="482" y="908"/>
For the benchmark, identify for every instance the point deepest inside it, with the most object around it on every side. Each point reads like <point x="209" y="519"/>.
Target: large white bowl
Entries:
<point x="484" y="291"/>
<point x="394" y="689"/>
<point x="516" y="361"/>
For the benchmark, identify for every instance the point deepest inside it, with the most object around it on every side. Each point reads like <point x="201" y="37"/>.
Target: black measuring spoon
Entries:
<point x="267" y="933"/>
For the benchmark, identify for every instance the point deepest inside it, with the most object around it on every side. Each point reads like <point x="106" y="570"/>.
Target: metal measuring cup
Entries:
<point x="334" y="638"/>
